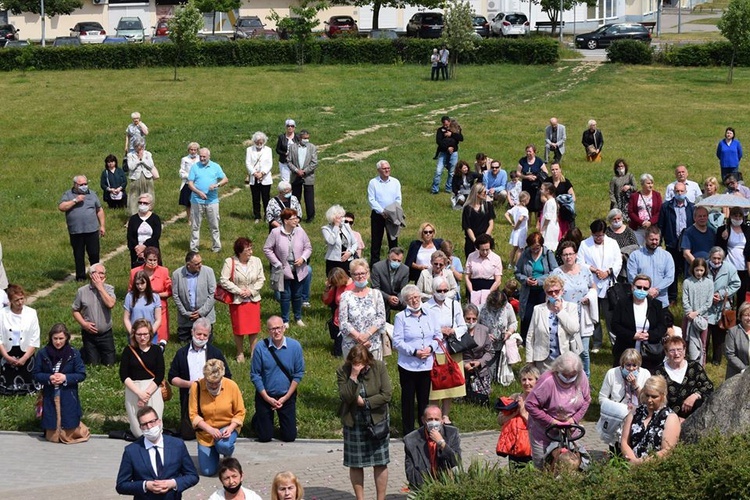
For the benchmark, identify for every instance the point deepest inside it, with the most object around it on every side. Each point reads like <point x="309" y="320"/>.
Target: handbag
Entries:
<point x="277" y="279"/>
<point x="448" y="375"/>
<point x="381" y="430"/>
<point x="465" y="343"/>
<point x="221" y="294"/>
<point x="617" y="292"/>
<point x="166" y="389"/>
<point x="728" y="316"/>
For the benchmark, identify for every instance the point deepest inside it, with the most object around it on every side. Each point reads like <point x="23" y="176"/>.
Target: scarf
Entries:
<point x="59" y="356"/>
<point x="431" y="452"/>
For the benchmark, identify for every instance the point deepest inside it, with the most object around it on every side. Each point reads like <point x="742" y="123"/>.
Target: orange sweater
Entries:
<point x="217" y="411"/>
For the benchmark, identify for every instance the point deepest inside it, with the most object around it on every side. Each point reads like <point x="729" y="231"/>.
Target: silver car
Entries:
<point x="131" y="28"/>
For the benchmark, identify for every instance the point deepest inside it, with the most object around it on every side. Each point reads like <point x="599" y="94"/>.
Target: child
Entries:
<point x="511" y="292"/>
<point x="514" y="433"/>
<point x="518" y="217"/>
<point x="549" y="227"/>
<point x="514" y="188"/>
<point x="697" y="298"/>
<point x="454" y="265"/>
<point x="434" y="60"/>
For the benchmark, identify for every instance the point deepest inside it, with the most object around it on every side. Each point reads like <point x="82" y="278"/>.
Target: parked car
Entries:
<point x="605" y="35"/>
<point x="131" y="28"/>
<point x="161" y="28"/>
<point x="8" y="32"/>
<point x="89" y="32"/>
<point x="510" y="24"/>
<point x="63" y="41"/>
<point x="481" y="26"/>
<point x="109" y="39"/>
<point x="209" y="37"/>
<point x="383" y="34"/>
<point x="160" y="39"/>
<point x="15" y="43"/>
<point x="341" y="25"/>
<point x="246" y="26"/>
<point x="265" y="34"/>
<point x="425" y="25"/>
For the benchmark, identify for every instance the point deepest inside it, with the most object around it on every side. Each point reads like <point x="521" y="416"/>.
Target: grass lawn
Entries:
<point x="65" y="123"/>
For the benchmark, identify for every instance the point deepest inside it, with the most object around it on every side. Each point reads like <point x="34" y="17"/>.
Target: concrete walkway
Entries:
<point x="34" y="469"/>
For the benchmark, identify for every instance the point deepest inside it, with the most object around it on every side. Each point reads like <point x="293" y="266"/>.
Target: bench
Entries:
<point x="650" y="25"/>
<point x="546" y="25"/>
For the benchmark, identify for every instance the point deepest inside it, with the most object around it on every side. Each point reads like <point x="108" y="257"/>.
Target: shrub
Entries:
<point x="704" y="54"/>
<point x="630" y="52"/>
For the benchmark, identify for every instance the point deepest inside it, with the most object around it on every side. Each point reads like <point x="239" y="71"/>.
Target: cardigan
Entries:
<point x="276" y="249"/>
<point x="29" y="328"/>
<point x="217" y="411"/>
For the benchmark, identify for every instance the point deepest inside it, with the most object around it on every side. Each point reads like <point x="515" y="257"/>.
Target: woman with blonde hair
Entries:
<point x="419" y="254"/>
<point x="477" y="218"/>
<point x="362" y="313"/>
<point x="286" y="486"/>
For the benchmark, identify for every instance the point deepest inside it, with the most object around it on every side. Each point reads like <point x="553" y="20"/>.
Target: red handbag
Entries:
<point x="448" y="375"/>
<point x="221" y="294"/>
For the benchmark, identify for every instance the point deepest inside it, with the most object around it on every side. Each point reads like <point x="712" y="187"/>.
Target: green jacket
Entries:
<point x="377" y="387"/>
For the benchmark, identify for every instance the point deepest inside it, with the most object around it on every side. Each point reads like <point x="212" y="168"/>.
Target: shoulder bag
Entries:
<point x="221" y="294"/>
<point x="455" y="344"/>
<point x="448" y="375"/>
<point x="728" y="316"/>
<point x="651" y="352"/>
<point x="278" y="361"/>
<point x="381" y="430"/>
<point x="166" y="389"/>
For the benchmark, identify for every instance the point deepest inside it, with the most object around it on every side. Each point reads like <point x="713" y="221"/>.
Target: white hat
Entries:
<point x="289" y="121"/>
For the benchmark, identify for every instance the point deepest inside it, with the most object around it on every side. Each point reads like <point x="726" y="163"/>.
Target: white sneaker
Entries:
<point x="301" y="323"/>
<point x="286" y="326"/>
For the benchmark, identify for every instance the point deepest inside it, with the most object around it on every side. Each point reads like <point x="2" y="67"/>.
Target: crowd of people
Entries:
<point x="451" y="341"/>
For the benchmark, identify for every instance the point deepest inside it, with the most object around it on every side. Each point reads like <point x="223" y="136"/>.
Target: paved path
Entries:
<point x="34" y="469"/>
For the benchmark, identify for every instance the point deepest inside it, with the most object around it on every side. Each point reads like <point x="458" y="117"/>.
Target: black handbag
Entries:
<point x="465" y="343"/>
<point x="617" y="292"/>
<point x="380" y="430"/>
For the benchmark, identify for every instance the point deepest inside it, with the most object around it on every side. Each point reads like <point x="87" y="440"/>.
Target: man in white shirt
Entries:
<point x="693" y="189"/>
<point x="601" y="254"/>
<point x="382" y="191"/>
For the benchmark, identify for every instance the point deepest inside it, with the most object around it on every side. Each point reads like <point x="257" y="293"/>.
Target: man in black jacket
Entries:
<point x="447" y="153"/>
<point x="435" y="447"/>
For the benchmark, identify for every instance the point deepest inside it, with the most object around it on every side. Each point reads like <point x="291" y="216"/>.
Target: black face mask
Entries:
<point x="235" y="489"/>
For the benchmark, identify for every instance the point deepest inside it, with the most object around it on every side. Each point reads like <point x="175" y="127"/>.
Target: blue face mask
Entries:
<point x="680" y="197"/>
<point x="640" y="294"/>
<point x="626" y="372"/>
<point x="360" y="284"/>
<point x="551" y="300"/>
<point x="394" y="264"/>
<point x="287" y="195"/>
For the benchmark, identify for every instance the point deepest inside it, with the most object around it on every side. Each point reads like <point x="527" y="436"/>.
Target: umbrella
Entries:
<point x="724" y="200"/>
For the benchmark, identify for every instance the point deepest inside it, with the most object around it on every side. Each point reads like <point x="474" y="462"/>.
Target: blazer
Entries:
<point x="378" y="388"/>
<point x="134" y="223"/>
<point x="311" y="163"/>
<point x="568" y="332"/>
<point x="334" y="244"/>
<point x="259" y="161"/>
<point x="180" y="368"/>
<point x="29" y="328"/>
<point x="411" y="256"/>
<point x="635" y="221"/>
<point x="458" y="180"/>
<point x="561" y="137"/>
<point x="135" y="468"/>
<point x="668" y="223"/>
<point x="276" y="249"/>
<point x="737" y="348"/>
<point x="380" y="274"/>
<point x="204" y="299"/>
<point x="417" y="459"/>
<point x="721" y="242"/>
<point x="282" y="146"/>
<point x="253" y="278"/>
<point x="624" y="327"/>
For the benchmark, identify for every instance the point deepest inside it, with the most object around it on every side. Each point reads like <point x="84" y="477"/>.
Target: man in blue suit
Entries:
<point x="155" y="466"/>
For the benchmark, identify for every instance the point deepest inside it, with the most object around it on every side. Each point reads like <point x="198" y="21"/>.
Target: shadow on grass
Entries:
<point x="56" y="274"/>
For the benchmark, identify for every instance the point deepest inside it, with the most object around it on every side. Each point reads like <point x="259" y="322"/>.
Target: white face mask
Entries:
<point x="616" y="224"/>
<point x="214" y="392"/>
<point x="143" y="207"/>
<point x="737" y="222"/>
<point x="433" y="425"/>
<point x="153" y="434"/>
<point x="566" y="380"/>
<point x="620" y="171"/>
<point x="199" y="342"/>
<point x="413" y="309"/>
<point x="439" y="296"/>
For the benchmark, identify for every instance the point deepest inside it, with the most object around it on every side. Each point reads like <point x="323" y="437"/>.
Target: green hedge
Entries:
<point x="264" y="52"/>
<point x="630" y="52"/>
<point x="705" y="54"/>
<point x="716" y="467"/>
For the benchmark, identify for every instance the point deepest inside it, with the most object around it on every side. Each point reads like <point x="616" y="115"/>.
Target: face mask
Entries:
<point x="440" y="296"/>
<point x="471" y="326"/>
<point x="199" y="343"/>
<point x="625" y="373"/>
<point x="713" y="264"/>
<point x="287" y="195"/>
<point x="551" y="300"/>
<point x="737" y="222"/>
<point x="360" y="284"/>
<point x="680" y="197"/>
<point x="83" y="189"/>
<point x="413" y="309"/>
<point x="640" y="294"/>
<point x="191" y="155"/>
<point x="153" y="434"/>
<point x="259" y="147"/>
<point x="433" y="425"/>
<point x="213" y="392"/>
<point x="620" y="171"/>
<point x="143" y="208"/>
<point x="616" y="224"/>
<point x="566" y="380"/>
<point x="394" y="264"/>
<point x="304" y="142"/>
<point x="234" y="489"/>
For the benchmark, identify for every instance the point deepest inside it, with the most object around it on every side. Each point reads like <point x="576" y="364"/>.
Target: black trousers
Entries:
<point x="309" y="194"/>
<point x="99" y="348"/>
<point x="377" y="230"/>
<point x="263" y="419"/>
<point x="260" y="193"/>
<point x="84" y="243"/>
<point x="413" y="384"/>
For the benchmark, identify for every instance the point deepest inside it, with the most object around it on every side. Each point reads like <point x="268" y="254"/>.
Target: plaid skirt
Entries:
<point x="362" y="451"/>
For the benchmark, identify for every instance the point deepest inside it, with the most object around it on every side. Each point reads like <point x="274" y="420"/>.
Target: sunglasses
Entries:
<point x="641" y="288"/>
<point x="427" y="232"/>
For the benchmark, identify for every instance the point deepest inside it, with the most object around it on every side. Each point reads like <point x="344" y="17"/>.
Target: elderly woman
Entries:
<point x="652" y="429"/>
<point x="621" y="186"/>
<point x="498" y="316"/>
<point x="288" y="248"/>
<point x="561" y="396"/>
<point x="688" y="384"/>
<point x="337" y="283"/>
<point x="419" y="254"/>
<point x="362" y="313"/>
<point x="341" y="245"/>
<point x="217" y="412"/>
<point x="136" y="131"/>
<point x="477" y="360"/>
<point x="639" y="320"/>
<point x="19" y="338"/>
<point x="593" y="142"/>
<point x="619" y="231"/>
<point x="643" y="208"/>
<point x="562" y="186"/>
<point x="186" y="163"/>
<point x="258" y="161"/>
<point x="532" y="171"/>
<point x="286" y="486"/>
<point x="450" y="321"/>
<point x="620" y="394"/>
<point x="161" y="283"/>
<point x="144" y="230"/>
<point x="729" y="153"/>
<point x="484" y="270"/>
<point x="282" y="148"/>
<point x="726" y="283"/>
<point x="142" y="172"/>
<point x="415" y="335"/>
<point x="59" y="369"/>
<point x="425" y="283"/>
<point x="142" y="372"/>
<point x="142" y="302"/>
<point x="113" y="183"/>
<point x="554" y="328"/>
<point x="734" y="238"/>
<point x="242" y="276"/>
<point x="478" y="217"/>
<point x="365" y="391"/>
<point x="533" y="267"/>
<point x="277" y="204"/>
<point x="737" y="347"/>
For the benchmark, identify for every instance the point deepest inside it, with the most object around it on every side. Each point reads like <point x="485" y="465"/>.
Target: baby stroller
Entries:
<point x="563" y="454"/>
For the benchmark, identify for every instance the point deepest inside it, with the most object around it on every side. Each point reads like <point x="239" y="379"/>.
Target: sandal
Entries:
<point x="241" y="358"/>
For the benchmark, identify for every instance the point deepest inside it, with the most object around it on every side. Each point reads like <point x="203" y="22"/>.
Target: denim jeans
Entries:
<point x="208" y="456"/>
<point x="585" y="357"/>
<point x="452" y="160"/>
<point x="292" y="295"/>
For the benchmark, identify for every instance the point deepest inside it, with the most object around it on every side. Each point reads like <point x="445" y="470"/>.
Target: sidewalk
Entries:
<point x="35" y="469"/>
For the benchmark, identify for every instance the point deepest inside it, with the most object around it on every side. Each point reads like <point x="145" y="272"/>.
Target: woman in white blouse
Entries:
<point x="258" y="161"/>
<point x="19" y="338"/>
<point x="142" y="173"/>
<point x="438" y="269"/>
<point x="341" y="245"/>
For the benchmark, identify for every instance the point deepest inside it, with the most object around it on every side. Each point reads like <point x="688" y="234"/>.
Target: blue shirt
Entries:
<point x="658" y="265"/>
<point x="382" y="193"/>
<point x="496" y="182"/>
<point x="697" y="242"/>
<point x="266" y="374"/>
<point x="202" y="176"/>
<point x="192" y="286"/>
<point x="412" y="333"/>
<point x="729" y="155"/>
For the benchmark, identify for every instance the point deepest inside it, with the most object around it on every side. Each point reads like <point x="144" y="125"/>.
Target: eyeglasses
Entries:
<point x="569" y="254"/>
<point x="676" y="351"/>
<point x="348" y="221"/>
<point x="275" y="328"/>
<point x="149" y="424"/>
<point x="554" y="291"/>
<point x="290" y="126"/>
<point x="438" y="264"/>
<point x="360" y="274"/>
<point x="427" y="231"/>
<point x="640" y="287"/>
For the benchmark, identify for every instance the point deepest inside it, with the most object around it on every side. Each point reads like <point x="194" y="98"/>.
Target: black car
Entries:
<point x="481" y="26"/>
<point x="605" y="35"/>
<point x="425" y="25"/>
<point x="8" y="32"/>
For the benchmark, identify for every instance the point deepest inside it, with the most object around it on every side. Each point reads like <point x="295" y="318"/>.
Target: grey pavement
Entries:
<point x="33" y="468"/>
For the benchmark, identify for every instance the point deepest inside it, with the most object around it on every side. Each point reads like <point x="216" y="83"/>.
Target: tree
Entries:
<point x="735" y="27"/>
<point x="378" y="4"/>
<point x="552" y="8"/>
<point x="299" y="25"/>
<point x="52" y="8"/>
<point x="214" y="6"/>
<point x="458" y="31"/>
<point x="183" y="31"/>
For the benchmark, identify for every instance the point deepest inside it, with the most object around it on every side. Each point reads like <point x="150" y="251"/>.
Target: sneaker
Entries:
<point x="286" y="326"/>
<point x="257" y="221"/>
<point x="595" y="350"/>
<point x="306" y="305"/>
<point x="301" y="323"/>
<point x="241" y="358"/>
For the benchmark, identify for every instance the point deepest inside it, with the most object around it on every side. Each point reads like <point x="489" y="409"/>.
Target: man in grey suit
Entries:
<point x="303" y="160"/>
<point x="554" y="138"/>
<point x="389" y="277"/>
<point x="193" y="287"/>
